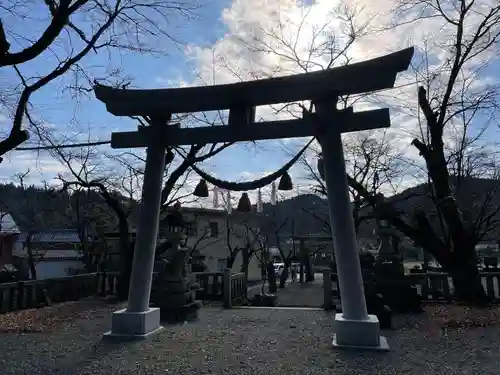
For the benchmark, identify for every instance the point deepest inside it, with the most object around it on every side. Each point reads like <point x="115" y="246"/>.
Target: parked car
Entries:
<point x="278" y="268"/>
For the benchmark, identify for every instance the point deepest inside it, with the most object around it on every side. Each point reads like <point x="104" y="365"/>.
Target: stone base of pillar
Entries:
<point x="359" y="334"/>
<point x="134" y="325"/>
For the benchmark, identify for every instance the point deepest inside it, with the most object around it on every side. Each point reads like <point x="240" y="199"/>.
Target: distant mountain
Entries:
<point x="34" y="208"/>
<point x="304" y="214"/>
<point x="472" y="195"/>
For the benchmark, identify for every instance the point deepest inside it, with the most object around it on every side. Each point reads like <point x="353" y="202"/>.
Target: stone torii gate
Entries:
<point x="353" y="327"/>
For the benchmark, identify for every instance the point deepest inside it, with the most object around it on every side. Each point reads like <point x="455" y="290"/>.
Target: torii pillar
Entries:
<point x="138" y="320"/>
<point x="354" y="327"/>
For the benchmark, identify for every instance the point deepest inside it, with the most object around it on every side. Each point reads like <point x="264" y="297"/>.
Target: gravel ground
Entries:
<point x="252" y="341"/>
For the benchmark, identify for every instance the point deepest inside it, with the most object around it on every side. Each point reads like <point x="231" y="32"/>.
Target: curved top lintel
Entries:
<point x="365" y="76"/>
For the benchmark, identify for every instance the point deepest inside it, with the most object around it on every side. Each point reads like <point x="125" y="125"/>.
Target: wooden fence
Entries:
<point x="38" y="293"/>
<point x="213" y="286"/>
<point x="438" y="286"/>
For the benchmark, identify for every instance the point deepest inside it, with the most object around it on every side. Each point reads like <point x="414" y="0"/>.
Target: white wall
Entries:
<point x="53" y="269"/>
<point x="50" y="268"/>
<point x="215" y="249"/>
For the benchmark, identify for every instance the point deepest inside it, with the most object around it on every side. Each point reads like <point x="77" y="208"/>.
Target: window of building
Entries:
<point x="214" y="229"/>
<point x="191" y="229"/>
<point x="221" y="265"/>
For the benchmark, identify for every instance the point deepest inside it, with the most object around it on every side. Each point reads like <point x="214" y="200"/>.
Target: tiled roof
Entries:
<point x="56" y="235"/>
<point x="7" y="223"/>
<point x="59" y="255"/>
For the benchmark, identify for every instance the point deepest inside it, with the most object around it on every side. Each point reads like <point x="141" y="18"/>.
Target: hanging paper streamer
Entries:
<point x="273" y="193"/>
<point x="260" y="205"/>
<point x="216" y="197"/>
<point x="229" y="206"/>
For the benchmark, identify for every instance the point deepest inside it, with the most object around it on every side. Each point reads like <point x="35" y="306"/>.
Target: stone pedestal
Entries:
<point x="176" y="298"/>
<point x="359" y="334"/>
<point x="127" y="325"/>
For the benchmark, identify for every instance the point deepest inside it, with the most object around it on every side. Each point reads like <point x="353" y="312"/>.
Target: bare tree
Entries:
<point x="31" y="211"/>
<point x="450" y="102"/>
<point x="233" y="251"/>
<point x="370" y="156"/>
<point x="202" y="241"/>
<point x="75" y="29"/>
<point x="123" y="172"/>
<point x="236" y="229"/>
<point x="247" y="231"/>
<point x="371" y="161"/>
<point x="271" y="229"/>
<point x="31" y="222"/>
<point x="258" y="248"/>
<point x="86" y="171"/>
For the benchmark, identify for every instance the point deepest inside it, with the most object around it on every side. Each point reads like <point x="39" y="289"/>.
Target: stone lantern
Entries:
<point x="388" y="250"/>
<point x="173" y="290"/>
<point x="390" y="280"/>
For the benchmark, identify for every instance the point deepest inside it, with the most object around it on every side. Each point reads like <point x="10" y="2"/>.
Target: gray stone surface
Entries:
<point x="246" y="341"/>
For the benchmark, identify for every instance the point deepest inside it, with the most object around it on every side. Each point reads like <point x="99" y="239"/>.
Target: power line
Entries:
<point x="87" y="144"/>
<point x="57" y="147"/>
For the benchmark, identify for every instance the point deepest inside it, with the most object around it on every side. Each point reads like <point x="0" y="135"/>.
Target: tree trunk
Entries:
<point x="245" y="262"/>
<point x="30" y="257"/>
<point x="308" y="267"/>
<point x="466" y="277"/>
<point x="461" y="265"/>
<point x="460" y="262"/>
<point x="230" y="261"/>
<point x="461" y="255"/>
<point x="284" y="275"/>
<point x="457" y="261"/>
<point x="32" y="266"/>
<point x="271" y="277"/>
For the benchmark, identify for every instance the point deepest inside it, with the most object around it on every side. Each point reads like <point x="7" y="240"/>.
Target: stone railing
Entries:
<point x="431" y="286"/>
<point x="221" y="286"/>
<point x="438" y="286"/>
<point x="235" y="287"/>
<point x="211" y="284"/>
<point x="38" y="293"/>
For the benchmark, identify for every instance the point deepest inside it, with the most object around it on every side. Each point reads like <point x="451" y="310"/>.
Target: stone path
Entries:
<point x="301" y="295"/>
<point x="297" y="295"/>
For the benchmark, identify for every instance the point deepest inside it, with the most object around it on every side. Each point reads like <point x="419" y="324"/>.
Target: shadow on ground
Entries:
<point x="301" y="295"/>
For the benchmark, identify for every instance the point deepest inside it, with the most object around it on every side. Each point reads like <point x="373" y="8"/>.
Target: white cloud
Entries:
<point x="41" y="166"/>
<point x="270" y="38"/>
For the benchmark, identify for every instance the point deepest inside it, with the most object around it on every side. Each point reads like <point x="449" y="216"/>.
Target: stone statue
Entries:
<point x="173" y="262"/>
<point x="173" y="290"/>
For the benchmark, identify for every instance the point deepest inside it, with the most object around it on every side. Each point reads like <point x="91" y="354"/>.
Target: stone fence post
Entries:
<point x="327" y="288"/>
<point x="226" y="296"/>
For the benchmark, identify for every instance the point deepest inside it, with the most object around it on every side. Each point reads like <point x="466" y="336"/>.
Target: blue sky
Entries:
<point x="84" y="117"/>
<point x="58" y="108"/>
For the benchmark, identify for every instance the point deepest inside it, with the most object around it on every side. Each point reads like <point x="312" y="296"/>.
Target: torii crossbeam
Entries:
<point x="354" y="327"/>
